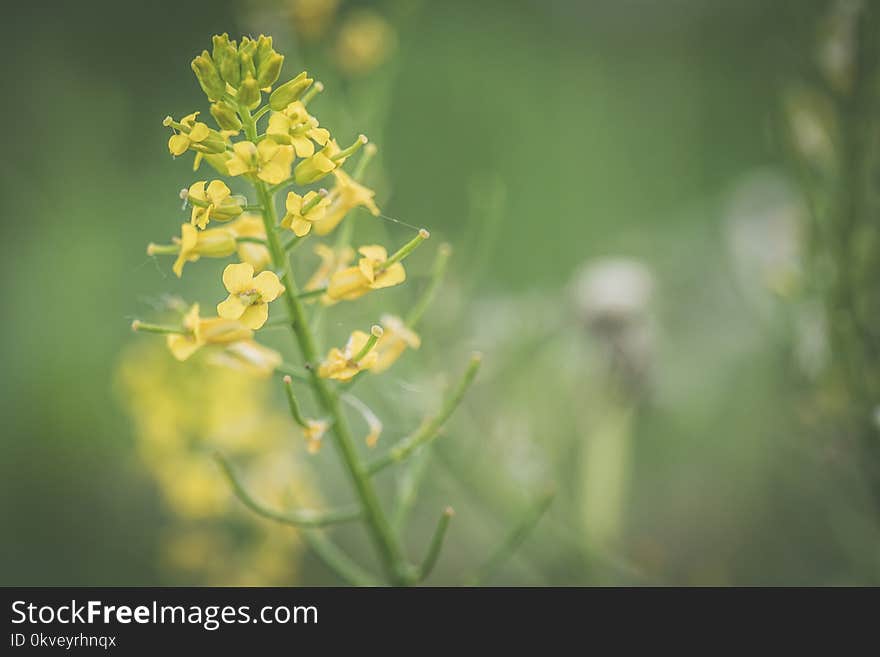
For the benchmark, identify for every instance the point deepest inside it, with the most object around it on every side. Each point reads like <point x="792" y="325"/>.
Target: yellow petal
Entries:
<point x="182" y="346"/>
<point x="267" y="286"/>
<point x="256" y="315"/>
<point x="218" y="192"/>
<point x="238" y="277"/>
<point x="231" y="308"/>
<point x="245" y="150"/>
<point x="178" y="144"/>
<point x="303" y="146"/>
<point x="273" y="173"/>
<point x="366" y="267"/>
<point x="199" y="132"/>
<point x="349" y="283"/>
<point x="374" y="252"/>
<point x="197" y="190"/>
<point x="294" y="202"/>
<point x="394" y="275"/>
<point x="320" y="135"/>
<point x="301" y="227"/>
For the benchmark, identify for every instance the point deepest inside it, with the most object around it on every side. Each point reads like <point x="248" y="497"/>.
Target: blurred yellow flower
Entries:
<point x="365" y="40"/>
<point x="302" y="211"/>
<point x="247" y="356"/>
<point x="394" y="341"/>
<point x="199" y="332"/>
<point x="251" y="225"/>
<point x="211" y="202"/>
<point x="332" y="261"/>
<point x="370" y="274"/>
<point x="346" y="195"/>
<point x="193" y="244"/>
<point x="311" y="18"/>
<point x="249" y="295"/>
<point x="313" y="432"/>
<point x="343" y="364"/>
<point x="267" y="160"/>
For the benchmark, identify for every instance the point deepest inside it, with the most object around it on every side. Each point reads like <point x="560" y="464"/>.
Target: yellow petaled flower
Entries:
<point x="192" y="132"/>
<point x="370" y="274"/>
<point x="332" y="261"/>
<point x="346" y="195"/>
<point x="214" y="242"/>
<point x="249" y="295"/>
<point x="302" y="211"/>
<point x="199" y="332"/>
<point x="251" y="225"/>
<point x="247" y="356"/>
<point x="267" y="160"/>
<point x="340" y="363"/>
<point x="211" y="202"/>
<point x="314" y="431"/>
<point x="394" y="341"/>
<point x="295" y="126"/>
<point x="313" y="168"/>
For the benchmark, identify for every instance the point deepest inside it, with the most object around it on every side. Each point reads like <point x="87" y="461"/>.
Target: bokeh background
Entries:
<point x="612" y="179"/>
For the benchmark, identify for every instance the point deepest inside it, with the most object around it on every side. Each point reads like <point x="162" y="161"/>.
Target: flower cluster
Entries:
<point x="266" y="141"/>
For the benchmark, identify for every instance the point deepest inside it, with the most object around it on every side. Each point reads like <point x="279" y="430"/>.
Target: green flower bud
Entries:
<point x="249" y="92"/>
<point x="289" y="91"/>
<point x="208" y="76"/>
<point x="248" y="47"/>
<point x="226" y="58"/>
<point x="269" y="69"/>
<point x="225" y="116"/>
<point x="264" y="49"/>
<point x="213" y="143"/>
<point x="247" y="64"/>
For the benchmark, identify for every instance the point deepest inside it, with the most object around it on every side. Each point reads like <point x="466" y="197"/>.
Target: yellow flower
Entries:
<point x="346" y="195"/>
<point x="193" y="243"/>
<point x="370" y="274"/>
<point x="295" y="126"/>
<point x="251" y="225"/>
<point x="365" y="41"/>
<point x="193" y="134"/>
<point x="302" y="211"/>
<point x="332" y="261"/>
<point x="249" y="295"/>
<point x="314" y="431"/>
<point x="213" y="202"/>
<point x="199" y="332"/>
<point x="267" y="160"/>
<point x="340" y="364"/>
<point x="247" y="356"/>
<point x="394" y="341"/>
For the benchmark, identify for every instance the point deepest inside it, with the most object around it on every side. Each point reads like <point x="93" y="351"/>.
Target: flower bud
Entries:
<point x="208" y="76"/>
<point x="247" y="65"/>
<point x="249" y="92"/>
<point x="289" y="91"/>
<point x="213" y="143"/>
<point x="269" y="69"/>
<point x="226" y="58"/>
<point x="216" y="242"/>
<point x="225" y="116"/>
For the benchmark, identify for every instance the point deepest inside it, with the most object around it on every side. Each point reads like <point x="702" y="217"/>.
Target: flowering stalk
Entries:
<point x="295" y="151"/>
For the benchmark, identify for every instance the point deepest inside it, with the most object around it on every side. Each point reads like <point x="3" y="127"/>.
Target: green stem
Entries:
<point x="308" y="294"/>
<point x="436" y="543"/>
<point x="514" y="539"/>
<point x="429" y="428"/>
<point x="138" y="325"/>
<point x="251" y="240"/>
<point x="379" y="528"/>
<point x="438" y="271"/>
<point x="337" y="561"/>
<point x="298" y="518"/>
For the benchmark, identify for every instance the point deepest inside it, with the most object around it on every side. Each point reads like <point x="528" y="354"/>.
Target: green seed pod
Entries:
<point x="225" y="116"/>
<point x="249" y="92"/>
<point x="208" y="76"/>
<point x="226" y="58"/>
<point x="269" y="69"/>
<point x="289" y="91"/>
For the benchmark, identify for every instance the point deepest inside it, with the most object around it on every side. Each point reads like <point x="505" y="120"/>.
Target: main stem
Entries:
<point x="379" y="528"/>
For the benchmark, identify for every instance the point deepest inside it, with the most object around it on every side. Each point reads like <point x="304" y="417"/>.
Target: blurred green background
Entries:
<point x="534" y="137"/>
